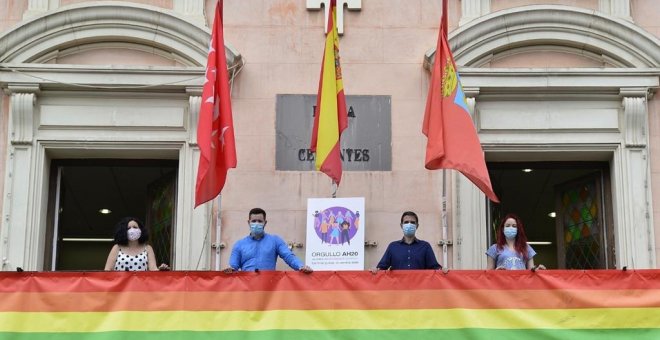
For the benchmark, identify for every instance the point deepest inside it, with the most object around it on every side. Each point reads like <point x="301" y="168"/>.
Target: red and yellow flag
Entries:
<point x="330" y="117"/>
<point x="215" y="129"/>
<point x="453" y="142"/>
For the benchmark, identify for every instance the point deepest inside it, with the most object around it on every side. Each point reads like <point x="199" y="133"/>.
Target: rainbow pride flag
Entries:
<point x="331" y="305"/>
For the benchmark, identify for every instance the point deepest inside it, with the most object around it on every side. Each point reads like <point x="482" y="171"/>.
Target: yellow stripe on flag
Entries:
<point x="595" y="318"/>
<point x="328" y="132"/>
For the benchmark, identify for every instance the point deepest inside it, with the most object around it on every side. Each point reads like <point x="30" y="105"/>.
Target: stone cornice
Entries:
<point x="62" y="77"/>
<point x="597" y="81"/>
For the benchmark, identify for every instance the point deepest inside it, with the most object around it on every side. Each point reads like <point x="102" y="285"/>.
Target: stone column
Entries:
<point x="192" y="247"/>
<point x="635" y="238"/>
<point x="17" y="228"/>
<point x="469" y="212"/>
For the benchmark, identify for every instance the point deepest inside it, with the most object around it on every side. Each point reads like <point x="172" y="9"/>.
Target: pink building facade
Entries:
<point x="100" y="102"/>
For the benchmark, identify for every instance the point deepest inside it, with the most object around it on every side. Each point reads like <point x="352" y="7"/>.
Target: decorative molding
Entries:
<point x="194" y="104"/>
<point x="635" y="117"/>
<point x="635" y="122"/>
<point x="106" y="77"/>
<point x="21" y="108"/>
<point x="352" y="5"/>
<point x="616" y="8"/>
<point x="472" y="9"/>
<point x="581" y="30"/>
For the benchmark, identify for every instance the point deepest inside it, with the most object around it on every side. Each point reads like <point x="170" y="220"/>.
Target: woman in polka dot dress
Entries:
<point x="131" y="251"/>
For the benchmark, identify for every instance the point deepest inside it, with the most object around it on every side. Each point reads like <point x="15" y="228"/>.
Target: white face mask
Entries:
<point x="134" y="234"/>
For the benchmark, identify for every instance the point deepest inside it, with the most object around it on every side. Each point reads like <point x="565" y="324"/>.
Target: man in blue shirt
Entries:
<point x="409" y="252"/>
<point x="259" y="251"/>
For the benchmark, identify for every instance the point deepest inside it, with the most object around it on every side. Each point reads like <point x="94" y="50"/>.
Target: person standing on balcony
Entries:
<point x="259" y="250"/>
<point x="409" y="252"/>
<point x="131" y="251"/>
<point x="511" y="250"/>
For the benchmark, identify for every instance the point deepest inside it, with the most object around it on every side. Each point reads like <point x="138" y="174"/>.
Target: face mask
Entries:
<point x="409" y="229"/>
<point x="257" y="229"/>
<point x="510" y="232"/>
<point x="134" y="234"/>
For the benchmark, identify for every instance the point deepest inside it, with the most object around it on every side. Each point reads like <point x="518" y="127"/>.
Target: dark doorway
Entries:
<point x="80" y="230"/>
<point x="547" y="196"/>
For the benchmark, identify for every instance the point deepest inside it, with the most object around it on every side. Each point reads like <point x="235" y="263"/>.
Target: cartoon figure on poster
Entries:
<point x="338" y="222"/>
<point x="334" y="238"/>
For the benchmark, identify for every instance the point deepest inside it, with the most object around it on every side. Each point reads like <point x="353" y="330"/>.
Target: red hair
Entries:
<point x="521" y="239"/>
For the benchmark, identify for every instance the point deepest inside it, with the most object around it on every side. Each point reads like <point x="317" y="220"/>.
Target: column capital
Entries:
<point x="635" y="92"/>
<point x="194" y="104"/>
<point x="21" y="117"/>
<point x="22" y="88"/>
<point x="636" y="122"/>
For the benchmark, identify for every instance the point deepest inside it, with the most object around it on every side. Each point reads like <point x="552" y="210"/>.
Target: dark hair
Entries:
<point x="521" y="238"/>
<point x="409" y="213"/>
<point x="121" y="230"/>
<point x="257" y="211"/>
<point x="346" y="223"/>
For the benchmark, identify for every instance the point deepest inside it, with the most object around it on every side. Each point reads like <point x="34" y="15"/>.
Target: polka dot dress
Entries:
<point x="131" y="263"/>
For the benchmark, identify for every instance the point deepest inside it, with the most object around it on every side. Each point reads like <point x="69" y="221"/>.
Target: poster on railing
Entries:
<point x="335" y="233"/>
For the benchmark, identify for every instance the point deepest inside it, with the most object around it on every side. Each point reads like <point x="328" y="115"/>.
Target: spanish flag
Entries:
<point x="391" y="305"/>
<point x="453" y="142"/>
<point x="330" y="117"/>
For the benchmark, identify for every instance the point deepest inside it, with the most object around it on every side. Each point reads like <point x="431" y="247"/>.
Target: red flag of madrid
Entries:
<point x="215" y="129"/>
<point x="453" y="142"/>
<point x="330" y="117"/>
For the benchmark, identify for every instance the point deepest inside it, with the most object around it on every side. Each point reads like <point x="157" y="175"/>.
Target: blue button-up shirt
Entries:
<point x="401" y="255"/>
<point x="249" y="254"/>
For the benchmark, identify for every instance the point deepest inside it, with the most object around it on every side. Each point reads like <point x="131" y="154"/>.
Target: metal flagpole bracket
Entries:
<point x="220" y="245"/>
<point x="445" y="242"/>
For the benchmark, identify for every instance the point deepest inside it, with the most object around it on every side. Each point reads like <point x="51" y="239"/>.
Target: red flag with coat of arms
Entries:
<point x="453" y="142"/>
<point x="215" y="129"/>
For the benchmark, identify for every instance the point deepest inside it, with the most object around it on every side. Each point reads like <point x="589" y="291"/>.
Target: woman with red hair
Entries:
<point x="511" y="250"/>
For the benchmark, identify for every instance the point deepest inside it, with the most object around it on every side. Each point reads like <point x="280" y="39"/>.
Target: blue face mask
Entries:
<point x="256" y="229"/>
<point x="409" y="229"/>
<point x="510" y="232"/>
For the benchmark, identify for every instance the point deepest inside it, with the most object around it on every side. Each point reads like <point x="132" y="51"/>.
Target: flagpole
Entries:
<point x="444" y="218"/>
<point x="218" y="231"/>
